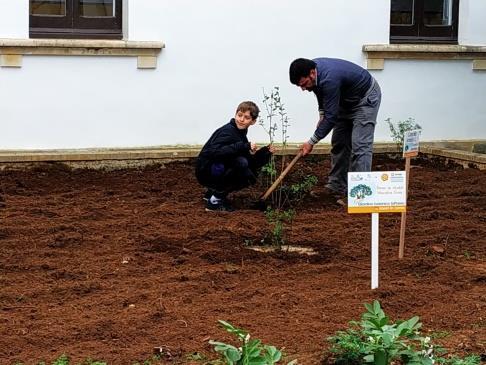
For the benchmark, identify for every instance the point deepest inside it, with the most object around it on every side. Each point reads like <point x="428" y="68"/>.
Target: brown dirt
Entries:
<point x="109" y="265"/>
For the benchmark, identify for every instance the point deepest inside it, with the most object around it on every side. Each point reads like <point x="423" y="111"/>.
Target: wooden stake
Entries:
<point x="281" y="177"/>
<point x="401" y="246"/>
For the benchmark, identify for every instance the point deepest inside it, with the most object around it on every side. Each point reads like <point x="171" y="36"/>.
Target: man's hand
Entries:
<point x="306" y="148"/>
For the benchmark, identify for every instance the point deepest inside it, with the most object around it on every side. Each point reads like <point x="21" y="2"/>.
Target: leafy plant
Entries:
<point x="398" y="131"/>
<point x="275" y="119"/>
<point x="439" y="334"/>
<point x="295" y="193"/>
<point x="64" y="360"/>
<point x="251" y="351"/>
<point x="348" y="346"/>
<point x="279" y="220"/>
<point x="468" y="360"/>
<point x="375" y="340"/>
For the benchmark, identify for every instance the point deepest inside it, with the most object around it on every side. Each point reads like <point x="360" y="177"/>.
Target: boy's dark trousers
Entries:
<point x="224" y="178"/>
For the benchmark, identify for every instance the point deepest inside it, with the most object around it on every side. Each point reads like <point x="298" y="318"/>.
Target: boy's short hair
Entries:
<point x="301" y="67"/>
<point x="249" y="106"/>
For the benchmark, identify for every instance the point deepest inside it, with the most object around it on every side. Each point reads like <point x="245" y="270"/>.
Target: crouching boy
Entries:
<point x="228" y="162"/>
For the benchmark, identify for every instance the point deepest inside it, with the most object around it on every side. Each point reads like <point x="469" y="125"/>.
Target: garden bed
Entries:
<point x="110" y="265"/>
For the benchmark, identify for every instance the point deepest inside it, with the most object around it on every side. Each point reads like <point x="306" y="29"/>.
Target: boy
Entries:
<point x="228" y="162"/>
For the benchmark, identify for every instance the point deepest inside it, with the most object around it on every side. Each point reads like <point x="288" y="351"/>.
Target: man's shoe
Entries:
<point x="342" y="201"/>
<point x="338" y="193"/>
<point x="339" y="196"/>
<point x="221" y="206"/>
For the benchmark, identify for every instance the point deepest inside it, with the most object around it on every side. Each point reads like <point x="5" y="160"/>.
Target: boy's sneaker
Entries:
<point x="207" y="195"/>
<point x="221" y="206"/>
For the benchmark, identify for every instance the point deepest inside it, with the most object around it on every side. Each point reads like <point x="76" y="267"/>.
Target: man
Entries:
<point x="349" y="99"/>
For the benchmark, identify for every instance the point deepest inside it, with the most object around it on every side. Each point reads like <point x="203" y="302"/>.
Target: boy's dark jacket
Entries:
<point x="227" y="143"/>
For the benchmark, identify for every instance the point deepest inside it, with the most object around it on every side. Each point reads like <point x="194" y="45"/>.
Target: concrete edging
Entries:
<point x="456" y="151"/>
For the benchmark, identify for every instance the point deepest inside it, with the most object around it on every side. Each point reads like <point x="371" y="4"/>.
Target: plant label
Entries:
<point x="411" y="143"/>
<point x="377" y="192"/>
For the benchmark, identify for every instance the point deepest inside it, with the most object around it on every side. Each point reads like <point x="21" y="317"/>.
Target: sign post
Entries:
<point x="410" y="149"/>
<point x="376" y="192"/>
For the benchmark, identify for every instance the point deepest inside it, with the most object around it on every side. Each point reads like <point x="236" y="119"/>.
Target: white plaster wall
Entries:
<point x="14" y="19"/>
<point x="446" y="98"/>
<point x="472" y="22"/>
<point x="217" y="54"/>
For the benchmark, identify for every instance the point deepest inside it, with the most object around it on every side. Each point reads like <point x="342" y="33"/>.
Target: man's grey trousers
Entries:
<point x="352" y="139"/>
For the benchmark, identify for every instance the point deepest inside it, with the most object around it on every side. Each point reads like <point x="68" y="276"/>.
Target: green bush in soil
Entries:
<point x="251" y="351"/>
<point x="275" y="119"/>
<point x="64" y="360"/>
<point x="398" y="131"/>
<point x="280" y="222"/>
<point x="468" y="360"/>
<point x="295" y="193"/>
<point x="375" y="340"/>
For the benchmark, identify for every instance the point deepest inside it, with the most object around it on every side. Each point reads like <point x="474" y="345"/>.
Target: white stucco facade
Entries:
<point x="217" y="54"/>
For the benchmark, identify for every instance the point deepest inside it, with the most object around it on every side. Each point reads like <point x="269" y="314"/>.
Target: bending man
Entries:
<point x="348" y="98"/>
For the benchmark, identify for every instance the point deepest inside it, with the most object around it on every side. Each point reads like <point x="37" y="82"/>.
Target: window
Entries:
<point x="424" y="21"/>
<point x="76" y="19"/>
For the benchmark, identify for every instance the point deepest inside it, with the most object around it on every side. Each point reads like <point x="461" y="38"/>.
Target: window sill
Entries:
<point x="12" y="50"/>
<point x="377" y="53"/>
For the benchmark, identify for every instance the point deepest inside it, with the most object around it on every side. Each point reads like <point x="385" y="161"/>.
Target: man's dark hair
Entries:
<point x="301" y="67"/>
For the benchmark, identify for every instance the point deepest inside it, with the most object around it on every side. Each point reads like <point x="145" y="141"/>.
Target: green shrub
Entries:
<point x="376" y="340"/>
<point x="251" y="352"/>
<point x="398" y="131"/>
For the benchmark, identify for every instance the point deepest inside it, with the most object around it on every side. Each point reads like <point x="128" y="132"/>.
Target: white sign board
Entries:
<point x="411" y="143"/>
<point x="377" y="192"/>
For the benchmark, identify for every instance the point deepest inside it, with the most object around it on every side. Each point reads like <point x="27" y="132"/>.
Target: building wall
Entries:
<point x="217" y="54"/>
<point x="472" y="27"/>
<point x="14" y="19"/>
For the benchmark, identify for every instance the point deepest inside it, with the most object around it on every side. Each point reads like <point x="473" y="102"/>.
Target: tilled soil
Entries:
<point x="110" y="264"/>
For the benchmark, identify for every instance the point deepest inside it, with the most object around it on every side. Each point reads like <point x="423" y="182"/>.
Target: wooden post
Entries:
<point x="401" y="246"/>
<point x="281" y="177"/>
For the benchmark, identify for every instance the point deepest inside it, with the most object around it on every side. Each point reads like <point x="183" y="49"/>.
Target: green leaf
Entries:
<point x="414" y="324"/>
<point x="387" y="339"/>
<point x="380" y="358"/>
<point x="369" y="358"/>
<point x="256" y="361"/>
<point x="403" y="329"/>
<point x="272" y="355"/>
<point x="383" y="321"/>
<point x="240" y="333"/>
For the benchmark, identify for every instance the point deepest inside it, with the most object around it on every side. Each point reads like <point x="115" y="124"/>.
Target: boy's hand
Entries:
<point x="253" y="148"/>
<point x="272" y="148"/>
